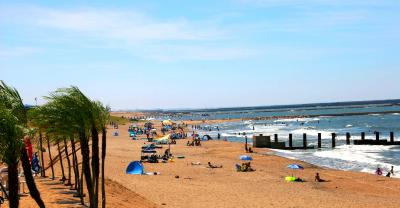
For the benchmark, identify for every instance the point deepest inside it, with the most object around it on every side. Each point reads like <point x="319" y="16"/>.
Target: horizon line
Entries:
<point x="380" y="101"/>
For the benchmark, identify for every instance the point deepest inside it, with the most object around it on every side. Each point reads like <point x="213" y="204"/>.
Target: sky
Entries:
<point x="202" y="54"/>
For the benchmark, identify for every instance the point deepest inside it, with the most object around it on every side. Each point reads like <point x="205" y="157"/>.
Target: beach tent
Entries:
<point x="135" y="168"/>
<point x="245" y="157"/>
<point x="163" y="140"/>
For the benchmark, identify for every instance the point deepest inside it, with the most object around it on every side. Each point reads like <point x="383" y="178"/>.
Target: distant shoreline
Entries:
<point x="346" y="104"/>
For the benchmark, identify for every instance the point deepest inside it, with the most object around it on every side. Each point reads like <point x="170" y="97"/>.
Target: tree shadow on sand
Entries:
<point x="70" y="202"/>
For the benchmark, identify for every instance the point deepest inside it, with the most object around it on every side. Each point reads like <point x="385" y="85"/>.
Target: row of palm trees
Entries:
<point x="69" y="120"/>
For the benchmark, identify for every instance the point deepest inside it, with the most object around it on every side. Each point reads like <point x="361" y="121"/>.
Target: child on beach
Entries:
<point x="378" y="172"/>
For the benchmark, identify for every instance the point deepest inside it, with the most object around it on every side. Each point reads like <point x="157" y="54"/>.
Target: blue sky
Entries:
<point x="197" y="54"/>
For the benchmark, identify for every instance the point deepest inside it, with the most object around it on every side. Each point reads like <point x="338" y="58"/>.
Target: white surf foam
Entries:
<point x="361" y="158"/>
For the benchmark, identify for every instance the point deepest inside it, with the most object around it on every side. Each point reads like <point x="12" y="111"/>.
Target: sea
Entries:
<point x="325" y="118"/>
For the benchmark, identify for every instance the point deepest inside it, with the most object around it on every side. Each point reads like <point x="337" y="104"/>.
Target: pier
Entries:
<point x="264" y="141"/>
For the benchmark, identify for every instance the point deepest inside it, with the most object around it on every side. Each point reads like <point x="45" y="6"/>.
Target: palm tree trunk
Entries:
<point x="95" y="165"/>
<point x="51" y="160"/>
<point x="13" y="185"/>
<point x="81" y="187"/>
<point x="78" y="177"/>
<point x="30" y="182"/>
<point x="103" y="159"/>
<point x="61" y="162"/>
<point x="69" y="163"/>
<point x="43" y="172"/>
<point x="75" y="164"/>
<point x="86" y="167"/>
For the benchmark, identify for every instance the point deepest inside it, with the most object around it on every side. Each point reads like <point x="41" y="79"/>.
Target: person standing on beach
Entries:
<point x="392" y="171"/>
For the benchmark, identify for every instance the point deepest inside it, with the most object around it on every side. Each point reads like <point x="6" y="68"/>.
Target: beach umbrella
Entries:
<point x="245" y="157"/>
<point x="295" y="166"/>
<point x="168" y="122"/>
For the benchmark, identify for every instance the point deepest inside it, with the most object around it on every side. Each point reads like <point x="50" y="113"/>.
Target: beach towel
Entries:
<point x="290" y="178"/>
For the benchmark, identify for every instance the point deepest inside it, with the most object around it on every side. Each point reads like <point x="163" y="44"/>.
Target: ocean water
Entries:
<point x="363" y="158"/>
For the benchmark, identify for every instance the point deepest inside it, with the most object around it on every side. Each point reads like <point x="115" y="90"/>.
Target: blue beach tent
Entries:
<point x="135" y="168"/>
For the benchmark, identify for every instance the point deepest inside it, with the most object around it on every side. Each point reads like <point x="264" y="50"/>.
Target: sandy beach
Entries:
<point x="200" y="186"/>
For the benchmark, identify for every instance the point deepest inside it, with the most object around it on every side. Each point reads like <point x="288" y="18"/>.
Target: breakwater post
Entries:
<point x="290" y="141"/>
<point x="276" y="137"/>
<point x="391" y="136"/>
<point x="305" y="141"/>
<point x="348" y="138"/>
<point x="333" y="140"/>
<point x="362" y="135"/>
<point x="377" y="136"/>
<point x="319" y="140"/>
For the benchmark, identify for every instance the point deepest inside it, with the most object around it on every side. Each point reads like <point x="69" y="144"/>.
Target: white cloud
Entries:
<point x="123" y="25"/>
<point x="134" y="32"/>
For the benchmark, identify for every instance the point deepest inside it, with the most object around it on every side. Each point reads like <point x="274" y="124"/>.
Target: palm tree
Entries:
<point x="9" y="151"/>
<point x="70" y="107"/>
<point x="69" y="113"/>
<point x="104" y="118"/>
<point x="13" y="149"/>
<point x="100" y="119"/>
<point x="57" y="119"/>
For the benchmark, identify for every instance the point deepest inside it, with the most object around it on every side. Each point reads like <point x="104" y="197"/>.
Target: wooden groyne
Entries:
<point x="266" y="142"/>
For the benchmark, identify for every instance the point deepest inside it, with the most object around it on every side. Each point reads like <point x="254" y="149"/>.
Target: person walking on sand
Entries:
<point x="392" y="171"/>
